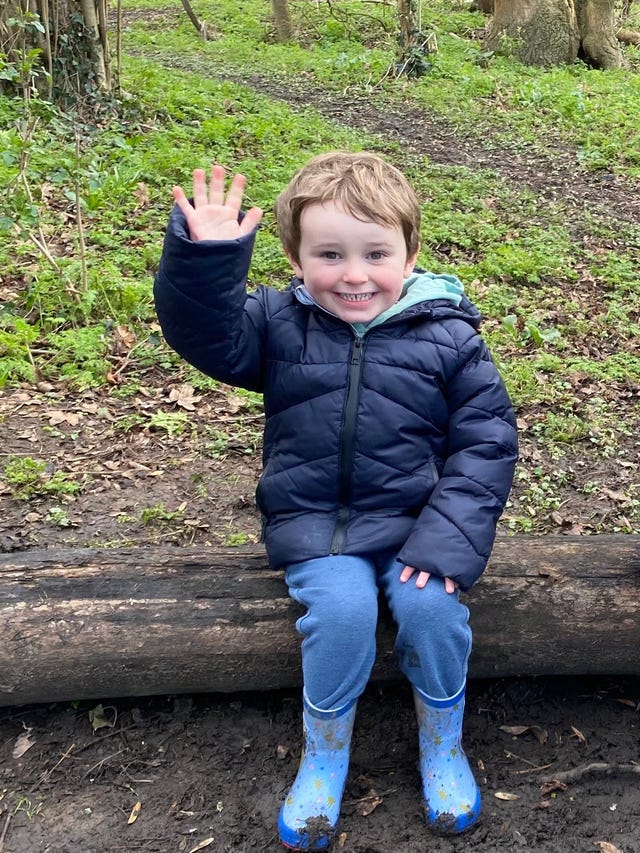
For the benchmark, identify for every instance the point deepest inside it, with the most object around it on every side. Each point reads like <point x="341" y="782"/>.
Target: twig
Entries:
<point x="101" y="762"/>
<point x="84" y="273"/>
<point x="372" y="796"/>
<point x="533" y="769"/>
<point x="45" y="776"/>
<point x="597" y="768"/>
<point x="4" y="831"/>
<point x="105" y="736"/>
<point x="42" y="247"/>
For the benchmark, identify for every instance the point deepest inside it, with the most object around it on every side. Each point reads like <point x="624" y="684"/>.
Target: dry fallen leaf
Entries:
<point x="514" y="730"/>
<point x="23" y="743"/>
<point x="505" y="795"/>
<point x="126" y="336"/>
<point x="56" y="416"/>
<point x="135" y="811"/>
<point x="577" y="733"/>
<point x="541" y="735"/>
<point x="141" y="195"/>
<point x="607" y="847"/>
<point x="202" y="845"/>
<point x="552" y="785"/>
<point x="182" y="395"/>
<point x="282" y="752"/>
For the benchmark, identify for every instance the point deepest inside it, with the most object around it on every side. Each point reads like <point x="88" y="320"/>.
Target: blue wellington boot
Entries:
<point x="309" y="815"/>
<point x="451" y="795"/>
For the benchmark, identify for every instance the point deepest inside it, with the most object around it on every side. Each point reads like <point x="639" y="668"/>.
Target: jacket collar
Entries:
<point x="423" y="294"/>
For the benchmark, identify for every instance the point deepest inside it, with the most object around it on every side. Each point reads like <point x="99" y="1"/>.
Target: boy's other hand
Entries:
<point x="408" y="572"/>
<point x="212" y="216"/>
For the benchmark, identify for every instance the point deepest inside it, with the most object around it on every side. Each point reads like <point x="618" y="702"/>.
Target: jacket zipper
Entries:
<point x="348" y="445"/>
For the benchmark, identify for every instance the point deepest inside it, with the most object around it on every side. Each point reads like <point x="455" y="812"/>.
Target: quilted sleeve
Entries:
<point x="455" y="532"/>
<point x="203" y="307"/>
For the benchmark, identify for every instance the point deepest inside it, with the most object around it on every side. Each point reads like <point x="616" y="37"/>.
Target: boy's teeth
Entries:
<point x="355" y="297"/>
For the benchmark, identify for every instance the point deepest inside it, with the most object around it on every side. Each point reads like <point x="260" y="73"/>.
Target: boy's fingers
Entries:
<point x="236" y="191"/>
<point x="199" y="187"/>
<point x="216" y="185"/>
<point x="251" y="220"/>
<point x="181" y="200"/>
<point x="406" y="573"/>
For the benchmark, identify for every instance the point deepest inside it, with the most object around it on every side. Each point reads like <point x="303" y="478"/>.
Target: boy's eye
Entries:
<point x="376" y="256"/>
<point x="330" y="256"/>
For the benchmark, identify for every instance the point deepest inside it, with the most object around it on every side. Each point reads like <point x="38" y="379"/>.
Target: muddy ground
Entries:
<point x="215" y="768"/>
<point x="209" y="772"/>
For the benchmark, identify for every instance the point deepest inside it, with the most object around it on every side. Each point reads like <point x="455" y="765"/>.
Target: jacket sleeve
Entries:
<point x="203" y="307"/>
<point x="454" y="534"/>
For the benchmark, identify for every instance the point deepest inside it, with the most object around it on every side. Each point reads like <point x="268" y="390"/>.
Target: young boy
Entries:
<point x="389" y="449"/>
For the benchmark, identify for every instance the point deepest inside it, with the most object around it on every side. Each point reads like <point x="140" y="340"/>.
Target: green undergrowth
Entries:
<point x="82" y="218"/>
<point x="351" y="46"/>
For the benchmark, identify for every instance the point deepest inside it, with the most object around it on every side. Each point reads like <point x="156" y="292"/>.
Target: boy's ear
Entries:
<point x="411" y="262"/>
<point x="294" y="264"/>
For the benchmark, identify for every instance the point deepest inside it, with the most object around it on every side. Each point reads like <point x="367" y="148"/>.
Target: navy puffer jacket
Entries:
<point x="404" y="438"/>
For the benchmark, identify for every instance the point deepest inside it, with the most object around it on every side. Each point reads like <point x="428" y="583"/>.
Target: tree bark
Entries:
<point x="282" y="20"/>
<point x="552" y="32"/>
<point x="537" y="32"/>
<point x="485" y="6"/>
<point x="81" y="624"/>
<point x="75" y="57"/>
<point x="200" y="26"/>
<point x="598" y="28"/>
<point x="91" y="17"/>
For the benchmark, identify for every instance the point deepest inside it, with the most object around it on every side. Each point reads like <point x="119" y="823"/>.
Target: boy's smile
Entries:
<point x="352" y="268"/>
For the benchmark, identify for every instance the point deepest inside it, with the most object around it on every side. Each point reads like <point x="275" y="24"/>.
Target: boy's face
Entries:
<point x="352" y="268"/>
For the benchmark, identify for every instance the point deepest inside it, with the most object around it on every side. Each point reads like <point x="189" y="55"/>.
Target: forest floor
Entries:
<point x="210" y="771"/>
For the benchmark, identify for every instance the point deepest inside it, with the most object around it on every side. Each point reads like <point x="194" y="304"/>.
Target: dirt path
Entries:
<point x="551" y="169"/>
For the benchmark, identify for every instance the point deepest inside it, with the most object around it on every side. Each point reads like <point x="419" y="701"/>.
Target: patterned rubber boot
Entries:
<point x="451" y="794"/>
<point x="309" y="815"/>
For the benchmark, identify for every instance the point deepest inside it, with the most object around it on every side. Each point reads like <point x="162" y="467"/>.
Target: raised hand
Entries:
<point x="212" y="216"/>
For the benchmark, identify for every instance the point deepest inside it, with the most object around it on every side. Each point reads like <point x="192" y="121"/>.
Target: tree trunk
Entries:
<point x="407" y="25"/>
<point x="598" y="28"/>
<point x="282" y="20"/>
<point x="91" y="18"/>
<point x="200" y="26"/>
<point x="552" y="32"/>
<point x="485" y="6"/>
<point x="537" y="32"/>
<point x="74" y="45"/>
<point x="82" y="624"/>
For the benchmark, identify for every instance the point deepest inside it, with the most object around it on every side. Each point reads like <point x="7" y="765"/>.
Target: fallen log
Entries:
<point x="86" y="623"/>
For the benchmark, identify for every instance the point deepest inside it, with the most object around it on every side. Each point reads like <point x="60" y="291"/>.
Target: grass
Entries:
<point x="29" y="478"/>
<point x="557" y="285"/>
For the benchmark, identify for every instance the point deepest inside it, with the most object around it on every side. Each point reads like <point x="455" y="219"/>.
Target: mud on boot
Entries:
<point x="451" y="795"/>
<point x="310" y="812"/>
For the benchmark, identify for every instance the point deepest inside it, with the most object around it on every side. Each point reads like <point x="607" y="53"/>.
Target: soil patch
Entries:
<point x="217" y="767"/>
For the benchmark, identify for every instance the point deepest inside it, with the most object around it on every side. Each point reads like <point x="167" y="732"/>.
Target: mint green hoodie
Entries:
<point x="419" y="287"/>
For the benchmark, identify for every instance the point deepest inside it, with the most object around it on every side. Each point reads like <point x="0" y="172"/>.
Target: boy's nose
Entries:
<point x="355" y="273"/>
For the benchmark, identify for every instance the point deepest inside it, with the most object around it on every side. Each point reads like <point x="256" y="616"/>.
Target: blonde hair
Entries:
<point x="362" y="184"/>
